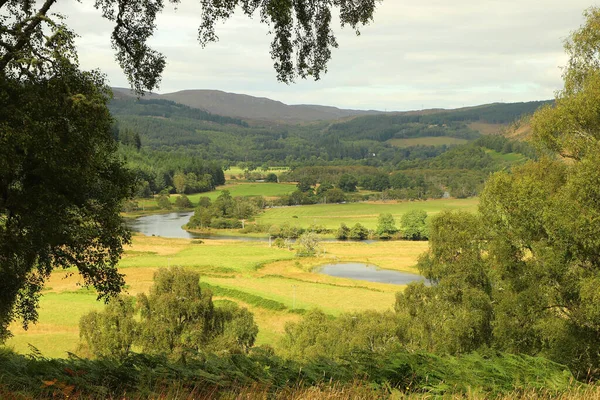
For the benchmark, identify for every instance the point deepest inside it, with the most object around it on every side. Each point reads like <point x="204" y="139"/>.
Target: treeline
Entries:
<point x="170" y="172"/>
<point x="226" y="212"/>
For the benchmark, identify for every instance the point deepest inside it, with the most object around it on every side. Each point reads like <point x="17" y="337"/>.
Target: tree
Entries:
<point x="414" y="225"/>
<point x="182" y="201"/>
<point x="163" y="202"/>
<point x="386" y="226"/>
<point x="112" y="332"/>
<point x="305" y="184"/>
<point x="455" y="314"/>
<point x="177" y="316"/>
<point x="308" y="245"/>
<point x="177" y="319"/>
<point x="358" y="232"/>
<point x="271" y="177"/>
<point x="524" y="274"/>
<point x="179" y="182"/>
<point x="317" y="335"/>
<point x="347" y="183"/>
<point x="61" y="186"/>
<point x="302" y="33"/>
<point x="343" y="232"/>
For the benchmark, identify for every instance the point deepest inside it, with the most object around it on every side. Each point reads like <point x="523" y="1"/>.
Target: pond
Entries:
<point x="366" y="272"/>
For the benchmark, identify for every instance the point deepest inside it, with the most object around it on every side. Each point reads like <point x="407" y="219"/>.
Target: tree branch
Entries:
<point x="25" y="36"/>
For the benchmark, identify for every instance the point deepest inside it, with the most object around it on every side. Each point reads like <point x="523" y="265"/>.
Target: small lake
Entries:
<point x="366" y="272"/>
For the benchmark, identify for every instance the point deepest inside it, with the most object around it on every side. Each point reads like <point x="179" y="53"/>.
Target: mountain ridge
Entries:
<point x="251" y="107"/>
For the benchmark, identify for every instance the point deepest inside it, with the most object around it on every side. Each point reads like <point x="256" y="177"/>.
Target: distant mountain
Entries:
<point x="249" y="107"/>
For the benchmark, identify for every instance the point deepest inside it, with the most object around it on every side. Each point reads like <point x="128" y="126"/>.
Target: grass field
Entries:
<point x="332" y="215"/>
<point x="253" y="269"/>
<point x="426" y="141"/>
<point x="236" y="189"/>
<point x="236" y="171"/>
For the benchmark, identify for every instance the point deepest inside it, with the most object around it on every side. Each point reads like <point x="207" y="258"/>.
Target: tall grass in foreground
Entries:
<point x="262" y="375"/>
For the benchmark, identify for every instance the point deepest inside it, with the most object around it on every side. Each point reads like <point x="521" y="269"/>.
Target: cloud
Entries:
<point x="428" y="53"/>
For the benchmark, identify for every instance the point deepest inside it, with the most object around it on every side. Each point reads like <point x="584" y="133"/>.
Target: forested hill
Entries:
<point x="385" y="138"/>
<point x="466" y="123"/>
<point x="250" y="107"/>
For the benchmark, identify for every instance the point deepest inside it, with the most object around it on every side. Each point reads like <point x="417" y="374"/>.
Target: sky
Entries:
<point x="416" y="54"/>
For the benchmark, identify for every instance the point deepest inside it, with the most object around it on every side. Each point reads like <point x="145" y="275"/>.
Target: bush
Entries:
<point x="271" y="177"/>
<point x="343" y="232"/>
<point x="163" y="202"/>
<point x="225" y="223"/>
<point x="308" y="245"/>
<point x="183" y="201"/>
<point x="414" y="226"/>
<point x="112" y="332"/>
<point x="358" y="232"/>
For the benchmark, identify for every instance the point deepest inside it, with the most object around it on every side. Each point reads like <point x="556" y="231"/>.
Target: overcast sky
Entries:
<point x="416" y="54"/>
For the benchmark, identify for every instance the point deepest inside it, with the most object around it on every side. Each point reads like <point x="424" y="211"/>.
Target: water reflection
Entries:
<point x="371" y="273"/>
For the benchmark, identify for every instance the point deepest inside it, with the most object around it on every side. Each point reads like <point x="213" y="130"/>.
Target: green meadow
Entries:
<point x="236" y="189"/>
<point x="332" y="215"/>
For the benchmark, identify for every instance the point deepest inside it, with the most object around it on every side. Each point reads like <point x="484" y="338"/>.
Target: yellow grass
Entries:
<point x="251" y="267"/>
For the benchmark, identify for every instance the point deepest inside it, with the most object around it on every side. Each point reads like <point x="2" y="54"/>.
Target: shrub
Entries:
<point x="183" y="201"/>
<point x="358" y="232"/>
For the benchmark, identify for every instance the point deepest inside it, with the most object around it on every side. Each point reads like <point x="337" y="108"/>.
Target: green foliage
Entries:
<point x="319" y="336"/>
<point x="347" y="183"/>
<point x="112" y="332"/>
<point x="523" y="276"/>
<point x="343" y="232"/>
<point x="226" y="212"/>
<point x="166" y="109"/>
<point x="358" y="232"/>
<point x="414" y="225"/>
<point x="236" y="327"/>
<point x="386" y="226"/>
<point x="333" y="195"/>
<point x="163" y="202"/>
<point x="308" y="245"/>
<point x="177" y="316"/>
<point x="455" y="314"/>
<point x="378" y="182"/>
<point x="62" y="185"/>
<point x="183" y="201"/>
<point x="305" y="184"/>
<point x="271" y="177"/>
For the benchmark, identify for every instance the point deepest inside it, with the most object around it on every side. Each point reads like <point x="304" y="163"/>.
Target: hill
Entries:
<point x="382" y="138"/>
<point x="250" y="107"/>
